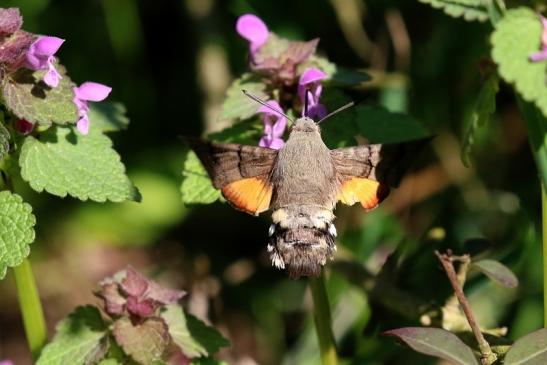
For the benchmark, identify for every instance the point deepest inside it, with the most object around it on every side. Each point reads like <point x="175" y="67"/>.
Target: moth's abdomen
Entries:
<point x="301" y="239"/>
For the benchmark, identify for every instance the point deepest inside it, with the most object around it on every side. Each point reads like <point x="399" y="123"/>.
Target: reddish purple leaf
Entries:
<point x="529" y="350"/>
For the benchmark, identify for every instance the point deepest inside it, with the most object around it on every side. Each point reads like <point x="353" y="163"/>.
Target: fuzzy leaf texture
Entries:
<point x="482" y="111"/>
<point x="16" y="230"/>
<point x="108" y="116"/>
<point x="517" y="35"/>
<point x="4" y="141"/>
<point x="80" y="339"/>
<point x="196" y="187"/>
<point x="10" y="21"/>
<point x="28" y="97"/>
<point x="498" y="272"/>
<point x="145" y="342"/>
<point x="63" y="162"/>
<point x="469" y="10"/>
<point x="13" y="48"/>
<point x="236" y="105"/>
<point x="435" y="342"/>
<point x="379" y="125"/>
<point x="529" y="350"/>
<point x="194" y="337"/>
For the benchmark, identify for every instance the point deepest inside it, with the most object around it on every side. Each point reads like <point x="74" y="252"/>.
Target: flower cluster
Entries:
<point x="20" y="49"/>
<point x="130" y="293"/>
<point x="541" y="55"/>
<point x="280" y="61"/>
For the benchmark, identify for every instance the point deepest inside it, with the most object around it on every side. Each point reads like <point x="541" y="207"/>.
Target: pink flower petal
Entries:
<point x="253" y="29"/>
<point x="538" y="56"/>
<point x="52" y="77"/>
<point x="279" y="127"/>
<point x="92" y="91"/>
<point x="83" y="125"/>
<point x="46" y="46"/>
<point x="311" y="75"/>
<point x="276" y="144"/>
<point x="274" y="104"/>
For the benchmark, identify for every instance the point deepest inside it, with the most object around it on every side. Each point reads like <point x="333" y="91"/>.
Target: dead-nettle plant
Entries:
<point x="518" y="57"/>
<point x="139" y="321"/>
<point x="53" y="138"/>
<point x="289" y="82"/>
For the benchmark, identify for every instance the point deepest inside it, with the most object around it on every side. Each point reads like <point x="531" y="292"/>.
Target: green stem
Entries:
<point x="544" y="223"/>
<point x="31" y="308"/>
<point x="322" y="319"/>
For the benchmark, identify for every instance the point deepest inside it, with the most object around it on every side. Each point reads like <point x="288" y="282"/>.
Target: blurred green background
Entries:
<point x="170" y="63"/>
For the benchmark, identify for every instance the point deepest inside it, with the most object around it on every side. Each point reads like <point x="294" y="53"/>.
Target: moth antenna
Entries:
<point x="342" y="108"/>
<point x="262" y="102"/>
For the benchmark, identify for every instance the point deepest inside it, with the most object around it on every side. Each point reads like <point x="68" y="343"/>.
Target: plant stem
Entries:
<point x="322" y="319"/>
<point x="487" y="356"/>
<point x="544" y="237"/>
<point x="31" y="308"/>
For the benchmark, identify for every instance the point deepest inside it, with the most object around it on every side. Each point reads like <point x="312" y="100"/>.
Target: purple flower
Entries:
<point x="88" y="91"/>
<point x="274" y="126"/>
<point x="40" y="57"/>
<point x="311" y="80"/>
<point x="253" y="29"/>
<point x="541" y="55"/>
<point x="24" y="127"/>
<point x="6" y="362"/>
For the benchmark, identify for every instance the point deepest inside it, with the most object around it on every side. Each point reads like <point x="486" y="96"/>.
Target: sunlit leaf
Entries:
<point x="466" y="9"/>
<point x="196" y="187"/>
<point x="238" y="106"/>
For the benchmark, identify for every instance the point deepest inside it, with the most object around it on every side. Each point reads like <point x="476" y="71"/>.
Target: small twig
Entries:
<point x="487" y="356"/>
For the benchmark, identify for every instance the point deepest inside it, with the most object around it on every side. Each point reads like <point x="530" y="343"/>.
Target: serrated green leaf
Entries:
<point x="381" y="126"/>
<point x="435" y="342"/>
<point x="236" y="105"/>
<point x="4" y="140"/>
<point x="63" y="162"/>
<point x="16" y="230"/>
<point x="144" y="342"/>
<point x="484" y="107"/>
<point x="517" y="36"/>
<point x="194" y="337"/>
<point x="467" y="9"/>
<point x="108" y="116"/>
<point x="529" y="350"/>
<point x="196" y="187"/>
<point x="80" y="339"/>
<point x="247" y="132"/>
<point x="28" y="97"/>
<point x="497" y="272"/>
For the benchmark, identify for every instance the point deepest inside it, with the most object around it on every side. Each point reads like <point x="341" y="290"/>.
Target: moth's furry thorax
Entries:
<point x="305" y="124"/>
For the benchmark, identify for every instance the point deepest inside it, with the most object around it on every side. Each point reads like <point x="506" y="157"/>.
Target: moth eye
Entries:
<point x="271" y="231"/>
<point x="332" y="230"/>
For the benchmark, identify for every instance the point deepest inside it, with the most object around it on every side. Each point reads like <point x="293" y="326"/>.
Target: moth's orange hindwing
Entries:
<point x="368" y="192"/>
<point x="251" y="195"/>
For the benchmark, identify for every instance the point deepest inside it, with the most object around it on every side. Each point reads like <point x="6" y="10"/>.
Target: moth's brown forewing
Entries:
<point x="301" y="183"/>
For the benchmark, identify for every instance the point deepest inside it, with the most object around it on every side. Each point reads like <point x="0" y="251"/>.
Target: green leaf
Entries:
<point x="194" y="337"/>
<point x="247" y="132"/>
<point x="337" y="75"/>
<point x="4" y="140"/>
<point x="196" y="187"/>
<point x="28" y="97"/>
<point x="339" y="130"/>
<point x="236" y="105"/>
<point x="381" y="126"/>
<point x="435" y="342"/>
<point x="484" y="107"/>
<point x="80" y="339"/>
<point x="517" y="35"/>
<point x="144" y="342"/>
<point x="497" y="272"/>
<point x="536" y="122"/>
<point x="110" y="362"/>
<point x="467" y="9"/>
<point x="61" y="161"/>
<point x="529" y="350"/>
<point x="16" y="230"/>
<point x="108" y="116"/>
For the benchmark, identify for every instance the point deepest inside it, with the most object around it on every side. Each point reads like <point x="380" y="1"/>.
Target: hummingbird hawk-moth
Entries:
<point x="301" y="183"/>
